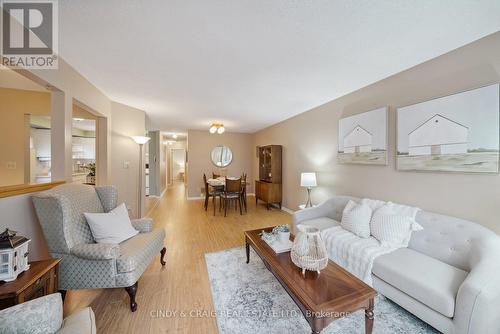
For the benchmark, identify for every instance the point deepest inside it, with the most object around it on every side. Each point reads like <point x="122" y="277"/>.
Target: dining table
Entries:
<point x="220" y="182"/>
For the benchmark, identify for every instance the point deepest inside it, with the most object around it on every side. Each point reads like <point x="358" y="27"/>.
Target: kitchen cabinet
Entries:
<point x="83" y="148"/>
<point x="41" y="142"/>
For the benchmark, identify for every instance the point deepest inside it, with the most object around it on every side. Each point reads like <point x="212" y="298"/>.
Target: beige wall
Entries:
<point x="127" y="122"/>
<point x="14" y="105"/>
<point x="69" y="88"/>
<point x="201" y="143"/>
<point x="310" y="141"/>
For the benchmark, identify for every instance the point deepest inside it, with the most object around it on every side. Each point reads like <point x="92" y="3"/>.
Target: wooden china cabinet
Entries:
<point x="268" y="187"/>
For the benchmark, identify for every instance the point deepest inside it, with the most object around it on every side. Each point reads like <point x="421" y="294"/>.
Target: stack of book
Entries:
<point x="278" y="246"/>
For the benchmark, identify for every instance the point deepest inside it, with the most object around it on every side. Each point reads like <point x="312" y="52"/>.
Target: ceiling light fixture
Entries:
<point x="174" y="136"/>
<point x="219" y="128"/>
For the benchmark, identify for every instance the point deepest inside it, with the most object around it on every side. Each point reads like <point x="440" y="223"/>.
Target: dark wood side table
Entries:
<point x="39" y="280"/>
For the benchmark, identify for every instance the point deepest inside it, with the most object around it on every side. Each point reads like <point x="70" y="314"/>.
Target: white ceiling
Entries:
<point x="252" y="63"/>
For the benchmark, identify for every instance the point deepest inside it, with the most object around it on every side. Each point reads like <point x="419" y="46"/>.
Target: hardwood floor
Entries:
<point x="182" y="285"/>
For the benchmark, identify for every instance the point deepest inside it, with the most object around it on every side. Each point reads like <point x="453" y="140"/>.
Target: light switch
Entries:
<point x="11" y="165"/>
<point x="126" y="164"/>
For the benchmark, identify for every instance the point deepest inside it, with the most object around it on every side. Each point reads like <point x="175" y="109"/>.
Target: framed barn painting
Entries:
<point x="456" y="133"/>
<point x="363" y="138"/>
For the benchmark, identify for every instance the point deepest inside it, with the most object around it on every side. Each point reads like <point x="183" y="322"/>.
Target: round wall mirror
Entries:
<point x="221" y="156"/>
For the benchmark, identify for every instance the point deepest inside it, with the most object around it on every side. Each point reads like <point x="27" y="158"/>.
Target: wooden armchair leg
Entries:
<point x="162" y="253"/>
<point x="63" y="294"/>
<point x="225" y="207"/>
<point x="132" y="290"/>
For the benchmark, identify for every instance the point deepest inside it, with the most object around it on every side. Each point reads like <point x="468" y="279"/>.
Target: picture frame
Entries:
<point x="363" y="138"/>
<point x="454" y="133"/>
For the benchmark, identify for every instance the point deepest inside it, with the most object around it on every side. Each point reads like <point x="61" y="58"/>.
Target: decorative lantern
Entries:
<point x="13" y="255"/>
<point x="308" y="250"/>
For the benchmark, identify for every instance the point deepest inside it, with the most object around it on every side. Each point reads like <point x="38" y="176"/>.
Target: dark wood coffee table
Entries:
<point x="322" y="298"/>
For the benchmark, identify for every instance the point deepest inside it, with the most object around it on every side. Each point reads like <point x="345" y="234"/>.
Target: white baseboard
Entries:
<point x="195" y="198"/>
<point x="287" y="210"/>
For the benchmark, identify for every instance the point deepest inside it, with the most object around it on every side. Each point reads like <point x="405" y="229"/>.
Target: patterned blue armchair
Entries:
<point x="86" y="264"/>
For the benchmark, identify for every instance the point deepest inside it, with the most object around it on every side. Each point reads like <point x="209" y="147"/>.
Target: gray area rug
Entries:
<point x="249" y="300"/>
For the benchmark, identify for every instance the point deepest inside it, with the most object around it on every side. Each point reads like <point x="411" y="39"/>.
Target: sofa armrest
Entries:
<point x="40" y="315"/>
<point x="143" y="225"/>
<point x="96" y="251"/>
<point x="310" y="213"/>
<point x="476" y="309"/>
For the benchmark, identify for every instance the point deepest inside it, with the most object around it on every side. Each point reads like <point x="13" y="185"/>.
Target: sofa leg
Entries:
<point x="162" y="252"/>
<point x="131" y="290"/>
<point x="63" y="294"/>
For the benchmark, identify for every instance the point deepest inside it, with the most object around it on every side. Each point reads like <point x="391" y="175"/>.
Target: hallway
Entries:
<point x="182" y="285"/>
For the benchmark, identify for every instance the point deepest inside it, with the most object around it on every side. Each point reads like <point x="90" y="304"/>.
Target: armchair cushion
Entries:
<point x="143" y="225"/>
<point x="96" y="251"/>
<point x="139" y="250"/>
<point x="42" y="315"/>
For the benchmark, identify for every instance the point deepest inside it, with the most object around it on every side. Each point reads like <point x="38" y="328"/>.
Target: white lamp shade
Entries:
<point x="221" y="130"/>
<point x="213" y="129"/>
<point x="141" y="139"/>
<point x="308" y="180"/>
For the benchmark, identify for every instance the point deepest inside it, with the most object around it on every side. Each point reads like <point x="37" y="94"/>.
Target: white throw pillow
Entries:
<point x="399" y="209"/>
<point x="356" y="219"/>
<point x="112" y="227"/>
<point x="391" y="228"/>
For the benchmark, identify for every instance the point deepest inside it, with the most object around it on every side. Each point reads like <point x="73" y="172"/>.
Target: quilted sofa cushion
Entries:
<point x="321" y="223"/>
<point x="139" y="250"/>
<point x="432" y="282"/>
<point x="80" y="322"/>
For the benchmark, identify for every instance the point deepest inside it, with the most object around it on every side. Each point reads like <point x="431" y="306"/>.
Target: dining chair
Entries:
<point x="211" y="192"/>
<point x="215" y="176"/>
<point x="232" y="191"/>
<point x="244" y="190"/>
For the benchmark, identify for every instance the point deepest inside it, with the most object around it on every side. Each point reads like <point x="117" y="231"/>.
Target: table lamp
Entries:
<point x="308" y="180"/>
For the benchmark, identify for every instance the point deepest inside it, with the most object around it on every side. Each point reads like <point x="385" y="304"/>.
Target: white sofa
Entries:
<point x="449" y="276"/>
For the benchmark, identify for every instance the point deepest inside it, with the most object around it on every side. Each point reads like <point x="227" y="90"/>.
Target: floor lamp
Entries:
<point x="141" y="140"/>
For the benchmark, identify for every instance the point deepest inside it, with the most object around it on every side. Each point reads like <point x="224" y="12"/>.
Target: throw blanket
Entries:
<point x="354" y="254"/>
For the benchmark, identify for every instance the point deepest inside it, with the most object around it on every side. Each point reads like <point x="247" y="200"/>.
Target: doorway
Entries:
<point x="84" y="145"/>
<point x="177" y="165"/>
